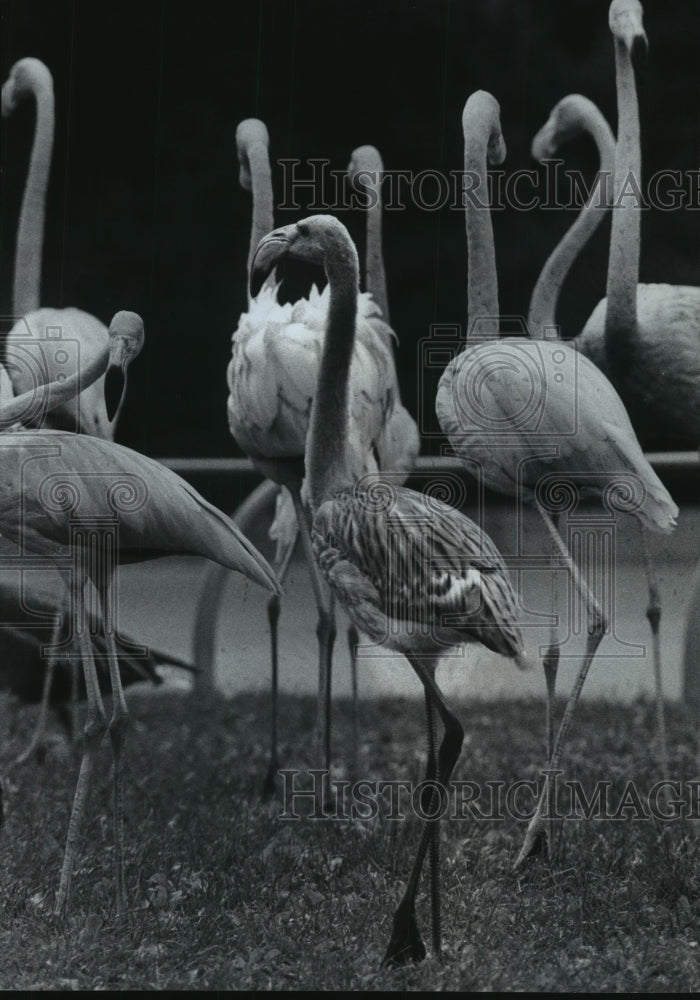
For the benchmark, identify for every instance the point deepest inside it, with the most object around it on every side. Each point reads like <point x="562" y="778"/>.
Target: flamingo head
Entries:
<point x="250" y="132"/>
<point x="625" y="20"/>
<point x="28" y="76"/>
<point x="365" y="168"/>
<point x="566" y="122"/>
<point x="482" y="116"/>
<point x="319" y="239"/>
<point x="126" y="337"/>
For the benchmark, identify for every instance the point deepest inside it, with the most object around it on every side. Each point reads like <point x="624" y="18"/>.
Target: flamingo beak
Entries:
<point x="120" y="354"/>
<point x="543" y="147"/>
<point x="8" y="98"/>
<point x="270" y="251"/>
<point x="496" y="150"/>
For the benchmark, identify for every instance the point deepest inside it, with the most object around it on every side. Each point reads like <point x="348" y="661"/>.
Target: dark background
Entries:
<point x="145" y="211"/>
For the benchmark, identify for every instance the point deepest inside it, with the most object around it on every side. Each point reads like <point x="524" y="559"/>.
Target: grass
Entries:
<point x="226" y="895"/>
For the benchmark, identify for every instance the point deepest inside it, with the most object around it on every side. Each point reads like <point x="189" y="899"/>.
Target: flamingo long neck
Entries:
<point x="623" y="262"/>
<point x="327" y="460"/>
<point x="263" y="209"/>
<point x="26" y="291"/>
<point x="51" y="394"/>
<point x="545" y="296"/>
<point x="374" y="267"/>
<point x="482" y="312"/>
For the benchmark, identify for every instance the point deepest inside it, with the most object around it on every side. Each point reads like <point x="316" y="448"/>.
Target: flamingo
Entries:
<point x="88" y="412"/>
<point x="413" y="573"/>
<point x="520" y="412"/>
<point x="61" y="510"/>
<point x="646" y="338"/>
<point x="96" y="409"/>
<point x="272" y="378"/>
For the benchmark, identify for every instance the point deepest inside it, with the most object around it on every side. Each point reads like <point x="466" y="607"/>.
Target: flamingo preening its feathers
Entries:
<point x="412" y="573"/>
<point x="83" y="504"/>
<point x="272" y="379"/>
<point x="506" y="407"/>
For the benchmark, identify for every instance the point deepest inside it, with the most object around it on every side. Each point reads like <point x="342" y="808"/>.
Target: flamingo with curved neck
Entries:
<point x="507" y="409"/>
<point x="95" y="410"/>
<point x="572" y="116"/>
<point x="396" y="561"/>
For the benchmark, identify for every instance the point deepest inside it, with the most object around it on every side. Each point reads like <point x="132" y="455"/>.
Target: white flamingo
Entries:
<point x="506" y="407"/>
<point x="31" y="346"/>
<point x="646" y="338"/>
<point x="88" y="412"/>
<point x="272" y="378"/>
<point x="54" y="504"/>
<point x="412" y="573"/>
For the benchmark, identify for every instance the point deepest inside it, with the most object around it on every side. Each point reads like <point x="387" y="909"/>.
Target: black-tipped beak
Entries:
<point x="271" y="250"/>
<point x="115" y="389"/>
<point x="496" y="150"/>
<point x="639" y="52"/>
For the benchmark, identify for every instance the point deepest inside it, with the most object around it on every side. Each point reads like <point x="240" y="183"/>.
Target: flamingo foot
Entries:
<point x="406" y="944"/>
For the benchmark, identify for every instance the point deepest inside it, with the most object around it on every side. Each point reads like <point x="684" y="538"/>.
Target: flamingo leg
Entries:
<point x="406" y="944"/>
<point x="325" y="631"/>
<point x="36" y="744"/>
<point x="280" y="567"/>
<point x="597" y="627"/>
<point x="654" y="617"/>
<point x="550" y="665"/>
<point x="550" y="661"/>
<point x="118" y="726"/>
<point x="353" y="642"/>
<point x="95" y="728"/>
<point x="431" y="774"/>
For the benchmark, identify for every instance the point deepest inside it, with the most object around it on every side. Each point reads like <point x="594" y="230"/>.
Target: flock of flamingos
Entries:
<point x="314" y="401"/>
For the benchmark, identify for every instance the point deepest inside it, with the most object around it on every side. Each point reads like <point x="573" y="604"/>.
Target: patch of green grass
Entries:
<point x="225" y="894"/>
